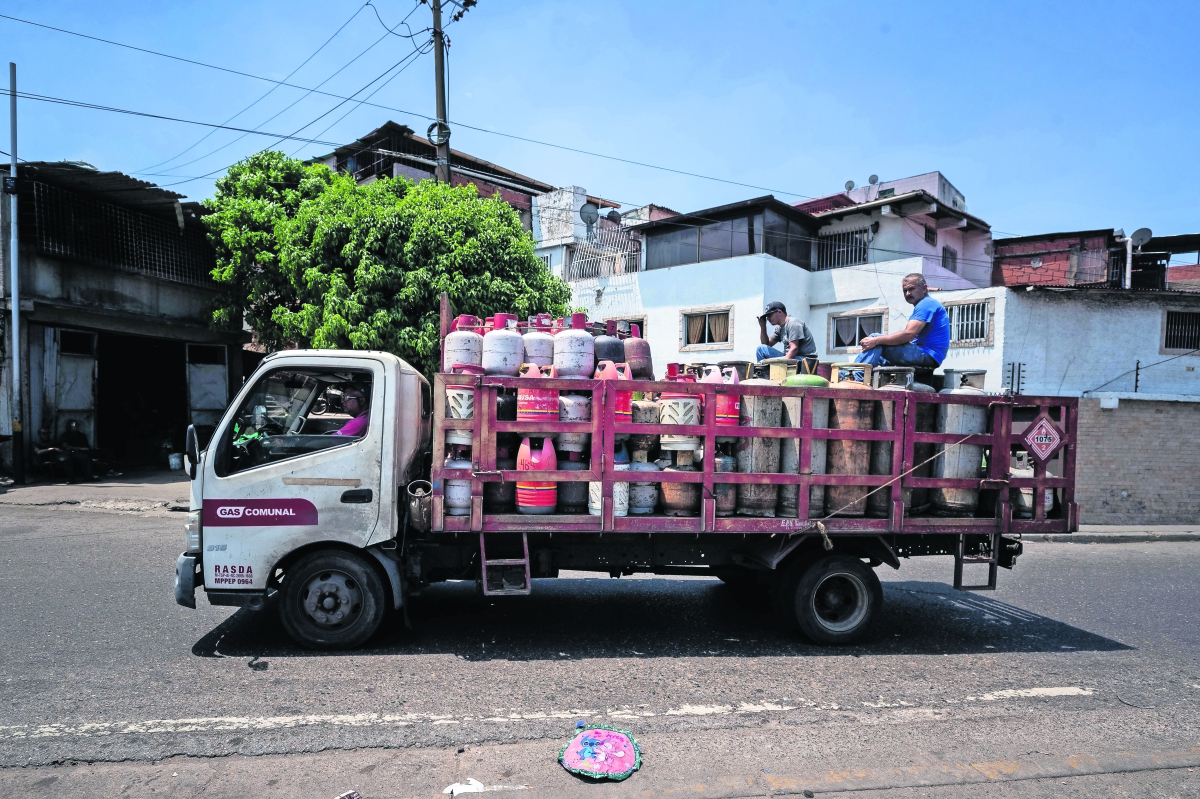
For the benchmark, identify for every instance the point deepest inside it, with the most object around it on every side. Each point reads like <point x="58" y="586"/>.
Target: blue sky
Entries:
<point x="1047" y="116"/>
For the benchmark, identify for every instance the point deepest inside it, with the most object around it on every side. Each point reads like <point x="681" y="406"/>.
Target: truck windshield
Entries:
<point x="290" y="413"/>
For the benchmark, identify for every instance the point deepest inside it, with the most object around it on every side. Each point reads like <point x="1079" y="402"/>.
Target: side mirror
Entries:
<point x="191" y="449"/>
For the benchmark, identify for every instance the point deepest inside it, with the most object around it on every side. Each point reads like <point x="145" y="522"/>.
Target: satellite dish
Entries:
<point x="849" y="185"/>
<point x="613" y="216"/>
<point x="873" y="179"/>
<point x="589" y="213"/>
<point x="1141" y="236"/>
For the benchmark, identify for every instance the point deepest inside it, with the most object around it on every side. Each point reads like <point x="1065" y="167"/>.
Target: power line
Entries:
<point x="260" y="99"/>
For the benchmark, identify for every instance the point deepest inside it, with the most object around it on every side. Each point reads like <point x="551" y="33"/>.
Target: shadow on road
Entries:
<point x="573" y="618"/>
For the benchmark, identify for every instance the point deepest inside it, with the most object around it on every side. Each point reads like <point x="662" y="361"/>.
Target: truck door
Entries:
<point x="297" y="461"/>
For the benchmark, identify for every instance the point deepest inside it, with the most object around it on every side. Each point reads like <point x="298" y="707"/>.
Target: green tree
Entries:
<point x="250" y="201"/>
<point x="363" y="267"/>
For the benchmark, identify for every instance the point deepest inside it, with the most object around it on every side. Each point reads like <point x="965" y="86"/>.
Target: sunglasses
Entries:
<point x="353" y="399"/>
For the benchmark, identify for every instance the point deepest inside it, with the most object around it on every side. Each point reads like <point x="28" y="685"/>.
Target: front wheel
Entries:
<point x="331" y="600"/>
<point x="834" y="600"/>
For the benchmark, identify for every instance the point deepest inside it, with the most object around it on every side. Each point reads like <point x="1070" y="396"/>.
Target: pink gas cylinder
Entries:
<point x="637" y="355"/>
<point x="607" y="370"/>
<point x="537" y="404"/>
<point x="536" y="498"/>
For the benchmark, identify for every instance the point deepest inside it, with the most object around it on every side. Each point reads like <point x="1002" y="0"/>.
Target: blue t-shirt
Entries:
<point x="934" y="338"/>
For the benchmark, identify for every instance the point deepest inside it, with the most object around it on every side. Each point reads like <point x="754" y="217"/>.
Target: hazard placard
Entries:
<point x="1043" y="439"/>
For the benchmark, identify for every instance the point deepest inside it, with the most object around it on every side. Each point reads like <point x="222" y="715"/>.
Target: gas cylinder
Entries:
<point x="573" y="494"/>
<point x="499" y="497"/>
<point x="463" y="343"/>
<point x="728" y="406"/>
<point x="725" y="493"/>
<point x="886" y="378"/>
<point x="574" y="349"/>
<point x="845" y="456"/>
<point x="964" y="460"/>
<point x="644" y="412"/>
<point x="460" y="404"/>
<point x="758" y="455"/>
<point x="926" y="422"/>
<point x="536" y="498"/>
<point x="503" y="347"/>
<point x="1023" y="498"/>
<point x="789" y="459"/>
<point x="681" y="499"/>
<point x="539" y="344"/>
<point x="608" y="346"/>
<point x="457" y="493"/>
<point x="679" y="408"/>
<point x="607" y="370"/>
<point x="620" y="490"/>
<point x="537" y="404"/>
<point x="643" y="497"/>
<point x="574" y="408"/>
<point x="637" y="355"/>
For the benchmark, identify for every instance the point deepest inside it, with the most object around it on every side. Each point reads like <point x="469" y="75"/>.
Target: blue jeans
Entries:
<point x="764" y="352"/>
<point x="899" y="355"/>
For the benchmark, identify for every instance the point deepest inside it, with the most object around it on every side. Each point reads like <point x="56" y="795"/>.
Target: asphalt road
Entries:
<point x="1078" y="677"/>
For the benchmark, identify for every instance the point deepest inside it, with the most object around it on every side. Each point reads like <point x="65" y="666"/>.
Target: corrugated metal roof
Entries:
<point x="114" y="187"/>
<point x="696" y="218"/>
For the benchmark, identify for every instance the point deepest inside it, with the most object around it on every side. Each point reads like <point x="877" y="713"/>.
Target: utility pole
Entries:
<point x="440" y="129"/>
<point x="18" y="439"/>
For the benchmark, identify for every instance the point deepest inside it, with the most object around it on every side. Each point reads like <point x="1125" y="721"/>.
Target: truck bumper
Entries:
<point x="185" y="580"/>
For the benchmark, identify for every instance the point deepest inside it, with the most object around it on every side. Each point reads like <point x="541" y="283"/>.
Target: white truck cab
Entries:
<point x="298" y="492"/>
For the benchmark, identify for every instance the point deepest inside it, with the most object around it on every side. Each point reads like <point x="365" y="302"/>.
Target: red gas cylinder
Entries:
<point x="537" y="404"/>
<point x="536" y="498"/>
<point x="728" y="406"/>
<point x="607" y="370"/>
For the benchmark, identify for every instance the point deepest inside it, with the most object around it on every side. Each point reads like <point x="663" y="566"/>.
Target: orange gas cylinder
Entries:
<point x="536" y="498"/>
<point x="537" y="404"/>
<point x="607" y="370"/>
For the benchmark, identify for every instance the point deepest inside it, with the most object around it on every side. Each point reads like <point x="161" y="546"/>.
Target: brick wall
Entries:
<point x="1061" y="261"/>
<point x="1138" y="463"/>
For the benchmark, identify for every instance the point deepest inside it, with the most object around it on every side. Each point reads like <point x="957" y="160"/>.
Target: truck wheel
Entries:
<point x="331" y="600"/>
<point x="834" y="600"/>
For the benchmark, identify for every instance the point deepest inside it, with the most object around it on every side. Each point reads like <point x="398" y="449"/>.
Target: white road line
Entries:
<point x="99" y="729"/>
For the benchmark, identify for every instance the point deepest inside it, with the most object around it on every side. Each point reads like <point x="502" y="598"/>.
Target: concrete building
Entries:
<point x="114" y="300"/>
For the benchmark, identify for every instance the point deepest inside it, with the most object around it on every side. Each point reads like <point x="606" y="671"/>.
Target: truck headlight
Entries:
<point x="192" y="533"/>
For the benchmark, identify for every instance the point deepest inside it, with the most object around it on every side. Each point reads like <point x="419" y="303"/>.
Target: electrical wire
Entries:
<point x="1140" y="368"/>
<point x="260" y="99"/>
<point x="410" y="34"/>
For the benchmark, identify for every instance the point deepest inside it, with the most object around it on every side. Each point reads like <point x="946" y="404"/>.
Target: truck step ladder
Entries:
<point x="505" y="565"/>
<point x="992" y="560"/>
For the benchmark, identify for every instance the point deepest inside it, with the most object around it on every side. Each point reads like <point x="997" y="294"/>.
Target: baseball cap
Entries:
<point x="772" y="307"/>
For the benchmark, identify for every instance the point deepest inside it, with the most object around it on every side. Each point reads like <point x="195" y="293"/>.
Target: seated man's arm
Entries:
<point x="793" y="350"/>
<point x="910" y="332"/>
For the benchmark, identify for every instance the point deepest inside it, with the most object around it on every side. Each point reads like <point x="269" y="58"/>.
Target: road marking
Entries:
<point x="269" y="723"/>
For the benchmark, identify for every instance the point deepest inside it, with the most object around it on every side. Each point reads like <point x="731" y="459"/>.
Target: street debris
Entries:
<point x="601" y="752"/>
<point x="350" y="795"/>
<point x="475" y="786"/>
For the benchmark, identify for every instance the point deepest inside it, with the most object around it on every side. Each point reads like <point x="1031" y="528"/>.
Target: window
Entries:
<point x="885" y="193"/>
<point x="745" y="235"/>
<point x="849" y="329"/>
<point x="930" y="235"/>
<point x="294" y="412"/>
<point x="950" y="259"/>
<point x="1182" y="331"/>
<point x="843" y="248"/>
<point x="706" y="329"/>
<point x="545" y="260"/>
<point x="73" y="342"/>
<point x="969" y="321"/>
<point x="787" y="240"/>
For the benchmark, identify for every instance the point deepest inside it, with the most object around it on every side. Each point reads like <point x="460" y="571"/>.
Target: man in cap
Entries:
<point x="795" y="336"/>
<point x="924" y="340"/>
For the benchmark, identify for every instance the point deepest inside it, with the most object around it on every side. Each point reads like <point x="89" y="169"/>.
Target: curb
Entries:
<point x="1111" y="538"/>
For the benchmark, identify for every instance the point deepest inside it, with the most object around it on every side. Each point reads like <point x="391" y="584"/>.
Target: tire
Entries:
<point x="833" y="600"/>
<point x="321" y="585"/>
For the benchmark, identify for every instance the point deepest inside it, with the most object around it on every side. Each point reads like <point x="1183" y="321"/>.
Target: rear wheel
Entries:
<point x="331" y="600"/>
<point x="834" y="600"/>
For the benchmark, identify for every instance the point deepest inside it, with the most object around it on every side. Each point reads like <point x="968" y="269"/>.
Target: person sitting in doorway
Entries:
<point x="355" y="401"/>
<point x="89" y="462"/>
<point x="52" y="459"/>
<point x="795" y="336"/>
<point x="923" y="341"/>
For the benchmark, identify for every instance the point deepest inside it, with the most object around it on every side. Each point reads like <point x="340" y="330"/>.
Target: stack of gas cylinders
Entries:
<point x="576" y="349"/>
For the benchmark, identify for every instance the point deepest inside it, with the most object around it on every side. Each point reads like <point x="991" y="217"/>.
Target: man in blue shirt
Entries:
<point x="923" y="341"/>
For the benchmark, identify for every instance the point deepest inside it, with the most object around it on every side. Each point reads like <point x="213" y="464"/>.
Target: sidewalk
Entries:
<point x="1121" y="534"/>
<point x="133" y="492"/>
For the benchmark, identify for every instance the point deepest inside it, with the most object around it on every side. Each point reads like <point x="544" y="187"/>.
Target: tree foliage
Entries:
<point x="363" y="267"/>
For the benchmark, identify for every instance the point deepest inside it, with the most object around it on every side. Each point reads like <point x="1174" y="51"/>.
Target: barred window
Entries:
<point x="843" y="248"/>
<point x="1182" y="331"/>
<point x="969" y="322"/>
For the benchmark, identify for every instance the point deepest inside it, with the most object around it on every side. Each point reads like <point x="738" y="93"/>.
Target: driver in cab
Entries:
<point x="355" y="402"/>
